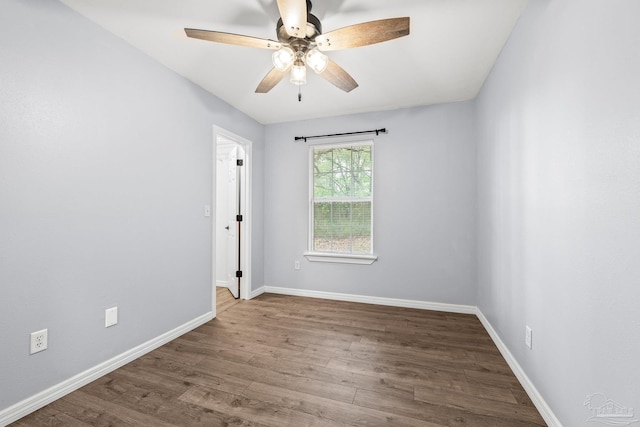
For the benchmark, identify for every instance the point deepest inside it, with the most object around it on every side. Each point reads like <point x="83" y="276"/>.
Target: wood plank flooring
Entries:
<point x="291" y="361"/>
<point x="224" y="300"/>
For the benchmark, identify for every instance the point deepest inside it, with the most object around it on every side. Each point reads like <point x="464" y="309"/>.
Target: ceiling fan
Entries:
<point x="301" y="43"/>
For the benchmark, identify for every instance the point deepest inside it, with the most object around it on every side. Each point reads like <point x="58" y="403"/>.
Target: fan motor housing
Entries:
<point x="314" y="29"/>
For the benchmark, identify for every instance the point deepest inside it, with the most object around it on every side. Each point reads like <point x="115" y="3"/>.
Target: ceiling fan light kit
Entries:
<point x="317" y="60"/>
<point x="283" y="58"/>
<point x="300" y="42"/>
<point x="298" y="73"/>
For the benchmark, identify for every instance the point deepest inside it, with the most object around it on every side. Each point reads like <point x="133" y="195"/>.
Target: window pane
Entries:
<point x="342" y="226"/>
<point x="322" y="215"/>
<point x="361" y="214"/>
<point x="323" y="161"/>
<point x="362" y="158"/>
<point x="322" y="186"/>
<point x="361" y="220"/>
<point x="341" y="223"/>
<point x="362" y="245"/>
<point x="342" y="172"/>
<point x="322" y="227"/>
<point x="342" y="184"/>
<point x="362" y="184"/>
<point x="322" y="244"/>
<point x="341" y="159"/>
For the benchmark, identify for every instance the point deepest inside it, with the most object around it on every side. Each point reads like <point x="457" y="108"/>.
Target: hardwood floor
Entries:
<point x="292" y="361"/>
<point x="224" y="300"/>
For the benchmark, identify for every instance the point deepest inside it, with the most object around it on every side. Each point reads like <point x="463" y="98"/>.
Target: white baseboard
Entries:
<point x="257" y="292"/>
<point x="535" y="396"/>
<point x="33" y="403"/>
<point x="394" y="302"/>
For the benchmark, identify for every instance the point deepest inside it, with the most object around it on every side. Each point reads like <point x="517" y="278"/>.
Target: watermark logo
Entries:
<point x="609" y="412"/>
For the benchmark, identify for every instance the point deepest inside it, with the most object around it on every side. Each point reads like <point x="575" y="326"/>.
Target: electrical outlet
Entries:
<point x="527" y="337"/>
<point x="296" y="265"/>
<point x="110" y="316"/>
<point x="39" y="341"/>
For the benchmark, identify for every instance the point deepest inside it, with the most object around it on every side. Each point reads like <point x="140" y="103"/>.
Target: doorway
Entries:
<point x="232" y="225"/>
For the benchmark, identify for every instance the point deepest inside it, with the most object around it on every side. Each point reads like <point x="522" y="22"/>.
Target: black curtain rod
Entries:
<point x="376" y="131"/>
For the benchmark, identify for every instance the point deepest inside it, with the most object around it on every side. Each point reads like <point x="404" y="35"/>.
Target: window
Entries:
<point x="341" y="203"/>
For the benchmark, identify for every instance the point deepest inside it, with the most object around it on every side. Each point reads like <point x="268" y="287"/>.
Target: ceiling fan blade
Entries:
<point x="364" y="34"/>
<point x="337" y="76"/>
<point x="235" y="39"/>
<point x="294" y="17"/>
<point x="272" y="78"/>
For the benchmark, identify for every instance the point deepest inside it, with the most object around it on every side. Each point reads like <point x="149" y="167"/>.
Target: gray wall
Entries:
<point x="106" y="163"/>
<point x="424" y="206"/>
<point x="105" y="166"/>
<point x="559" y="200"/>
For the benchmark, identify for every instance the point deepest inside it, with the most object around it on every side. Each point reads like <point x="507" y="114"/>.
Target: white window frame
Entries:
<point x="336" y="257"/>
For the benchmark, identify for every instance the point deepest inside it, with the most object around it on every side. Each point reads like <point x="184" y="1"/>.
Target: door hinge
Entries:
<point x="239" y="273"/>
<point x="239" y="218"/>
<point x="239" y="162"/>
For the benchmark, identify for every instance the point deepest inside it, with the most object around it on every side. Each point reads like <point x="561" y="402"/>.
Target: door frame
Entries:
<point x="222" y="135"/>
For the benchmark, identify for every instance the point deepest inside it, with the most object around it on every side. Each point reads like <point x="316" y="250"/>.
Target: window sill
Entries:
<point x="340" y="258"/>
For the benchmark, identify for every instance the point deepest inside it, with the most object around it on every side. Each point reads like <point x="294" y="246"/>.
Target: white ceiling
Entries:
<point x="451" y="49"/>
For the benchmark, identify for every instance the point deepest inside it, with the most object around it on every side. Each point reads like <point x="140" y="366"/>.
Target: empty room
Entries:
<point x="320" y="213"/>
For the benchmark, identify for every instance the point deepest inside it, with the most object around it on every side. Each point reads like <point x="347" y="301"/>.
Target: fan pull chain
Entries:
<point x="299" y="93"/>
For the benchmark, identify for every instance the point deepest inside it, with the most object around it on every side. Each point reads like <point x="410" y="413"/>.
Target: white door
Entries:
<point x="228" y="186"/>
<point x="221" y="216"/>
<point x="233" y="256"/>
